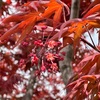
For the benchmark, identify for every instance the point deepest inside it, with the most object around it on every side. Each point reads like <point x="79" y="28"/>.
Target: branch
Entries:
<point x="67" y="8"/>
<point x="75" y="9"/>
<point x="90" y="36"/>
<point x="29" y="92"/>
<point x="0" y="3"/>
<point x="94" y="47"/>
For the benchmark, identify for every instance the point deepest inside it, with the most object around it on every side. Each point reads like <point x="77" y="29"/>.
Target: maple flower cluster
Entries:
<point x="45" y="56"/>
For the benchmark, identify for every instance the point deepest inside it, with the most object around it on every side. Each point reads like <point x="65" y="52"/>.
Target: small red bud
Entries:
<point x="35" y="60"/>
<point x="43" y="68"/>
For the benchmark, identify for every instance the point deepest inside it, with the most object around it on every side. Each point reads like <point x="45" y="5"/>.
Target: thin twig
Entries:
<point x="85" y="41"/>
<point x="67" y="8"/>
<point x="64" y="16"/>
<point x="48" y="38"/>
<point x="90" y="36"/>
<point x="98" y="31"/>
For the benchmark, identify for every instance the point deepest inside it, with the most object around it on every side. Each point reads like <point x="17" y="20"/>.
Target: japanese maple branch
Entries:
<point x="1" y="3"/>
<point x="90" y="36"/>
<point x="29" y="91"/>
<point x="67" y="8"/>
<point x="94" y="47"/>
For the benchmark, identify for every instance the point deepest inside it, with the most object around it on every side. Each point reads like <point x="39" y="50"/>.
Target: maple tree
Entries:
<point x="33" y="35"/>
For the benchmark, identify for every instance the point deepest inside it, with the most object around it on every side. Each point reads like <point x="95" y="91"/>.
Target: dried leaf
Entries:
<point x="26" y="29"/>
<point x="78" y="32"/>
<point x="89" y="77"/>
<point x="9" y="32"/>
<point x="86" y="68"/>
<point x="57" y="16"/>
<point x="53" y="8"/>
<point x="91" y="5"/>
<point x="14" y="18"/>
<point x="98" y="66"/>
<point x="95" y="24"/>
<point x="66" y="41"/>
<point x="92" y="10"/>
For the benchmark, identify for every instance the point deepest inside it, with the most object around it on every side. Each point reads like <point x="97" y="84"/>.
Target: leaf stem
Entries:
<point x="90" y="36"/>
<point x="94" y="47"/>
<point x="67" y="8"/>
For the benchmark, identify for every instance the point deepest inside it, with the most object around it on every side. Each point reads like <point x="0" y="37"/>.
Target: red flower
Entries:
<point x="35" y="60"/>
<point x="38" y="43"/>
<point x="51" y="44"/>
<point x="63" y="53"/>
<point x="50" y="57"/>
<point x="22" y="63"/>
<point x="43" y="68"/>
<point x="25" y="43"/>
<point x="54" y="67"/>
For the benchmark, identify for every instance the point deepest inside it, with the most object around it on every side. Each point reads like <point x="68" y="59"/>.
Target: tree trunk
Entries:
<point x="0" y="4"/>
<point x="66" y="64"/>
<point x="75" y="9"/>
<point x="29" y="92"/>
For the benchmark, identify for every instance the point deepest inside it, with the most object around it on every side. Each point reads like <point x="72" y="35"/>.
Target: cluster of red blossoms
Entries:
<point x="45" y="56"/>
